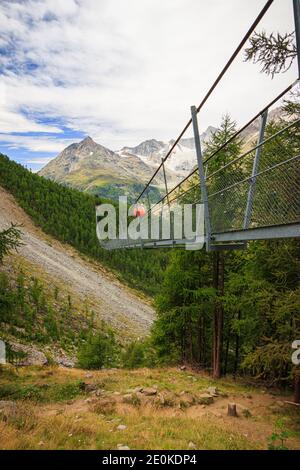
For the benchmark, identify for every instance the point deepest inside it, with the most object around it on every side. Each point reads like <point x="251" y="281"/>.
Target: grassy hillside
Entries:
<point x="103" y="184"/>
<point x="69" y="215"/>
<point x="107" y="185"/>
<point x="53" y="408"/>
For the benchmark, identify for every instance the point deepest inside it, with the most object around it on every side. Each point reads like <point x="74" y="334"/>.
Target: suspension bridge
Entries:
<point x="255" y="196"/>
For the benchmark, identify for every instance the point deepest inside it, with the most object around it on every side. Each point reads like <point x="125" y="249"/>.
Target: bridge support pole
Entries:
<point x="296" y="4"/>
<point x="148" y="200"/>
<point x="165" y="181"/>
<point x="168" y="200"/>
<point x="248" y="213"/>
<point x="202" y="177"/>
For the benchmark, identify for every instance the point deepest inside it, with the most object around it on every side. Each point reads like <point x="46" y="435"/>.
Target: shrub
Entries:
<point x="100" y="350"/>
<point x="134" y="355"/>
<point x="139" y="354"/>
<point x="277" y="440"/>
<point x="271" y="362"/>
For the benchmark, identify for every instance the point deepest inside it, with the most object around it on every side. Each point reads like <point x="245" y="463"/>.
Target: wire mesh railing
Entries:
<point x="273" y="184"/>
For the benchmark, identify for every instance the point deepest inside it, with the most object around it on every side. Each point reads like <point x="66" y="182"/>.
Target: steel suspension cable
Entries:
<point x="218" y="79"/>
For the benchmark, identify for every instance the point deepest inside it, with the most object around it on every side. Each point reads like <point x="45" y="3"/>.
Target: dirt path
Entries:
<point x="117" y="303"/>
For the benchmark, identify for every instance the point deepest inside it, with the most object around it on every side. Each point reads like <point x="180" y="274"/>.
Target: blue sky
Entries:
<point x="123" y="71"/>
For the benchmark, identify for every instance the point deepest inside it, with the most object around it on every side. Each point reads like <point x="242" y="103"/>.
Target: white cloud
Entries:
<point x="126" y="71"/>
<point x="35" y="143"/>
<point x="16" y="122"/>
<point x="39" y="161"/>
<point x="13" y="121"/>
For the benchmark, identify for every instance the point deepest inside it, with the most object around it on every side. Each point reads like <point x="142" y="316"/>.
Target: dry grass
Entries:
<point x="90" y="421"/>
<point x="91" y="431"/>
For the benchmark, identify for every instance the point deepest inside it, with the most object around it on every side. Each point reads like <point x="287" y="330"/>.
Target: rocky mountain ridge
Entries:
<point x="92" y="167"/>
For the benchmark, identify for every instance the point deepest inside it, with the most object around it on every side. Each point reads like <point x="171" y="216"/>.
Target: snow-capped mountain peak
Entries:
<point x="181" y="160"/>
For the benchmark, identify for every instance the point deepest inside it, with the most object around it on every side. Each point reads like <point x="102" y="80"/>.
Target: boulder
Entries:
<point x="122" y="447"/>
<point x="90" y="387"/>
<point x="32" y="356"/>
<point x="165" y="398"/>
<point x="187" y="399"/>
<point x="213" y="391"/>
<point x="64" y="361"/>
<point x="192" y="445"/>
<point x="121" y="427"/>
<point x="205" y="399"/>
<point x="148" y="391"/>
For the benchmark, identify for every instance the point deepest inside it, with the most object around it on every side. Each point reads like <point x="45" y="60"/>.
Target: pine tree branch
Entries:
<point x="275" y="53"/>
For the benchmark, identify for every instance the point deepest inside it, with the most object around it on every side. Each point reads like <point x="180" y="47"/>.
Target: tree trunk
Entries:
<point x="226" y="355"/>
<point x="200" y="341"/>
<point x="231" y="411"/>
<point x="182" y="346"/>
<point x="215" y="329"/>
<point x="218" y="280"/>
<point x="237" y="350"/>
<point x="191" y="349"/>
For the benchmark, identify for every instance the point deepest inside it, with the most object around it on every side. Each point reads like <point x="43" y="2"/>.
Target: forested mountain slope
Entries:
<point x="69" y="216"/>
<point x="108" y="298"/>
